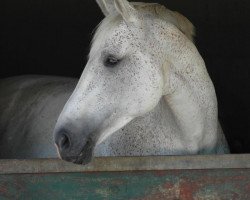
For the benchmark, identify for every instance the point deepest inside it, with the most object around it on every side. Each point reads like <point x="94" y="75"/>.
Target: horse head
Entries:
<point x="125" y="77"/>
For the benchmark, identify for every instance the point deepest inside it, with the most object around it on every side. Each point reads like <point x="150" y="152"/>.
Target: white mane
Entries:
<point x="156" y="10"/>
<point x="177" y="19"/>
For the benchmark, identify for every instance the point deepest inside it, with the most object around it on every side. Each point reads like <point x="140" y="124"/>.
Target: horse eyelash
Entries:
<point x="111" y="61"/>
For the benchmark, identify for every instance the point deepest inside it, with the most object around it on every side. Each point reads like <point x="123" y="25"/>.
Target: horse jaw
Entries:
<point x="110" y="128"/>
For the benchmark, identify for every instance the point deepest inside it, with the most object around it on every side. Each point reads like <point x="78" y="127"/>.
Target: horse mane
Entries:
<point x="177" y="19"/>
<point x="155" y="9"/>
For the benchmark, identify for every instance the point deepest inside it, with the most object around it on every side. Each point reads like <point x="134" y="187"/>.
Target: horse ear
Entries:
<point x="107" y="6"/>
<point x="127" y="11"/>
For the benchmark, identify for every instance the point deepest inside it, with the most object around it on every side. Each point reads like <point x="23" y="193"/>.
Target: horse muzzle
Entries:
<point x="79" y="152"/>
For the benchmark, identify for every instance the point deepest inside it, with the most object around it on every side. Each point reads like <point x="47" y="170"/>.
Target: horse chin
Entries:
<point x="84" y="159"/>
<point x="78" y="160"/>
<point x="85" y="156"/>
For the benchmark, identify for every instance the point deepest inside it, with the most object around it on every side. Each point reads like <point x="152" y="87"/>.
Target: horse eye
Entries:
<point x="111" y="61"/>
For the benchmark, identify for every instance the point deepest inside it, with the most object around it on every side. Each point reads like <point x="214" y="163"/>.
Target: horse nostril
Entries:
<point x="63" y="142"/>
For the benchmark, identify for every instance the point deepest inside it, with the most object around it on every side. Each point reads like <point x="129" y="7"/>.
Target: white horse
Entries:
<point x="144" y="91"/>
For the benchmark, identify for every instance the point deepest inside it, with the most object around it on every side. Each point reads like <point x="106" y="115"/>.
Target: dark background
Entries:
<point x="53" y="37"/>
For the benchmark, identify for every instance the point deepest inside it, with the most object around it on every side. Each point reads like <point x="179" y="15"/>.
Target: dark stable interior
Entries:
<point x="52" y="37"/>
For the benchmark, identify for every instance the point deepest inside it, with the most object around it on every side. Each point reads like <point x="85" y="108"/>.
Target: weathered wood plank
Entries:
<point x="127" y="164"/>
<point x="160" y="177"/>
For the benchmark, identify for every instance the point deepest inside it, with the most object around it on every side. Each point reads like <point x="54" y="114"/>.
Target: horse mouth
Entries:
<point x="85" y="156"/>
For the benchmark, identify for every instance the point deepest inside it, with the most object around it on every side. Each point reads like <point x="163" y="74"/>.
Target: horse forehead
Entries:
<point x="118" y="34"/>
<point x="123" y="34"/>
<point x="107" y="33"/>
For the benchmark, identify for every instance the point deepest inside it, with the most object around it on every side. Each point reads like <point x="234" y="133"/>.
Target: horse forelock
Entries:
<point x="103" y="29"/>
<point x="155" y="9"/>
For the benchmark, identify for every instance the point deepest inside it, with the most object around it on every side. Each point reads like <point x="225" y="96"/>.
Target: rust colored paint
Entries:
<point x="187" y="189"/>
<point x="217" y="184"/>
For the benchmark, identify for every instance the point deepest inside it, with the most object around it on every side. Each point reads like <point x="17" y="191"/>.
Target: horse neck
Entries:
<point x="191" y="97"/>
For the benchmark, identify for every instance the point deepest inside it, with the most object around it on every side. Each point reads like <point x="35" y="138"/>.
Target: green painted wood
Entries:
<point x="158" y="177"/>
<point x="169" y="184"/>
